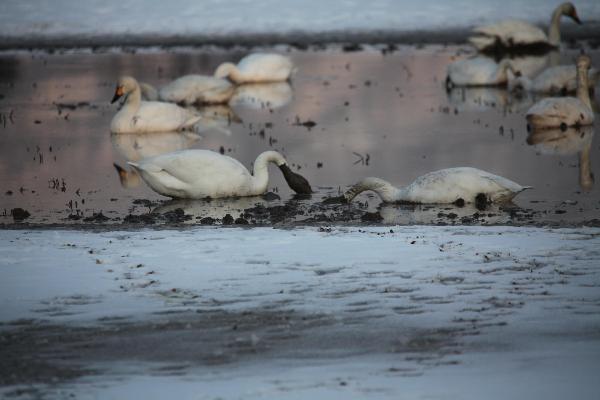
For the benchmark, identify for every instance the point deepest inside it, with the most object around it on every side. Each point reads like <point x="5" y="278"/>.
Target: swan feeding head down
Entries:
<point x="198" y="174"/>
<point x="452" y="185"/>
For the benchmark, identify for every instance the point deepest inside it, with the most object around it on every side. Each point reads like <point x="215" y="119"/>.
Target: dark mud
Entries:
<point x="39" y="352"/>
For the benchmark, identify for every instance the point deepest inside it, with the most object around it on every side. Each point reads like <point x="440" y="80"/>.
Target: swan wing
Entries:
<point x="556" y="79"/>
<point x="448" y="185"/>
<point x="193" y="88"/>
<point x="193" y="165"/>
<point x="555" y="111"/>
<point x="513" y="32"/>
<point x="153" y="116"/>
<point x="265" y="67"/>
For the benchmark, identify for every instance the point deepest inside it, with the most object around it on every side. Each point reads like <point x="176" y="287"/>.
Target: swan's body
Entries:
<point x="257" y="67"/>
<point x="554" y="112"/>
<point x="137" y="116"/>
<point x="191" y="89"/>
<point x="511" y="34"/>
<point x="477" y="71"/>
<point x="443" y="187"/>
<point x="196" y="174"/>
<point x="561" y="79"/>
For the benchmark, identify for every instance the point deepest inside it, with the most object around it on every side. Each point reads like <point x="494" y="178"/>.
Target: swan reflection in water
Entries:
<point x="214" y="208"/>
<point x="137" y="146"/>
<point x="217" y="118"/>
<point x="418" y="214"/>
<point x="566" y="143"/>
<point x="262" y="95"/>
<point x="467" y="99"/>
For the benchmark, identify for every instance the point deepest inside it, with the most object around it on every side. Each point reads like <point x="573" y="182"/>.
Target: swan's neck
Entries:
<point x="228" y="70"/>
<point x="502" y="71"/>
<point x="586" y="176"/>
<point x="134" y="100"/>
<point x="583" y="93"/>
<point x="554" y="28"/>
<point x="148" y="91"/>
<point x="385" y="190"/>
<point x="260" y="175"/>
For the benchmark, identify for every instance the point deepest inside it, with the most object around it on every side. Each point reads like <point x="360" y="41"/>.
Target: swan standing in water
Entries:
<point x="478" y="71"/>
<point x="555" y="112"/>
<point x="191" y="89"/>
<point x="511" y="34"/>
<point x="137" y="116"/>
<point x="561" y="79"/>
<point x="197" y="174"/>
<point x="445" y="186"/>
<point x="257" y="67"/>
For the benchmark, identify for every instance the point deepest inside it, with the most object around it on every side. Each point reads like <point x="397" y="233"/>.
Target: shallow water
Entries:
<point x="376" y="114"/>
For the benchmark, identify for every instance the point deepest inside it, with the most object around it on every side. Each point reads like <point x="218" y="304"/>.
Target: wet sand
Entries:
<point x="422" y="312"/>
<point x="377" y="111"/>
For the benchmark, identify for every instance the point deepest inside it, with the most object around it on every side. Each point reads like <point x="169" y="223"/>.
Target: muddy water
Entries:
<point x="345" y="115"/>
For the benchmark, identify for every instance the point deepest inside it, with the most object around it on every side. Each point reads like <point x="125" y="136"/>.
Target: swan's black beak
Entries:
<point x="295" y="181"/>
<point x="575" y="17"/>
<point x="118" y="94"/>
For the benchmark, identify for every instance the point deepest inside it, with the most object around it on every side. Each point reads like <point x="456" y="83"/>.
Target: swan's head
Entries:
<point x="584" y="62"/>
<point x="125" y="85"/>
<point x="569" y="10"/>
<point x="295" y="181"/>
<point x="224" y="70"/>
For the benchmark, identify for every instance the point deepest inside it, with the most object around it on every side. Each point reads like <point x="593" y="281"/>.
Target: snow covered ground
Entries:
<point x="420" y="312"/>
<point x="22" y="20"/>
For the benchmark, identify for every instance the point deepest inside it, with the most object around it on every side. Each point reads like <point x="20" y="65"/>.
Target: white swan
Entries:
<point x="191" y="89"/>
<point x="197" y="174"/>
<point x="478" y="71"/>
<point x="257" y="67"/>
<point x="561" y="79"/>
<point x="137" y="116"/>
<point x="509" y="34"/>
<point x="554" y="112"/>
<point x="445" y="186"/>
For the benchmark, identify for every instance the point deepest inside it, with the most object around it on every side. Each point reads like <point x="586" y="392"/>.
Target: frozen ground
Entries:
<point x="93" y="21"/>
<point x="395" y="312"/>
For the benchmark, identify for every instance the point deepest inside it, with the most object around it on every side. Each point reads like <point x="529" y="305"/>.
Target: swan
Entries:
<point x="554" y="112"/>
<point x="197" y="174"/>
<point x="561" y="79"/>
<point x="511" y="34"/>
<point x="137" y="116"/>
<point x="477" y="71"/>
<point x="257" y="67"/>
<point x="445" y="186"/>
<point x="191" y="89"/>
